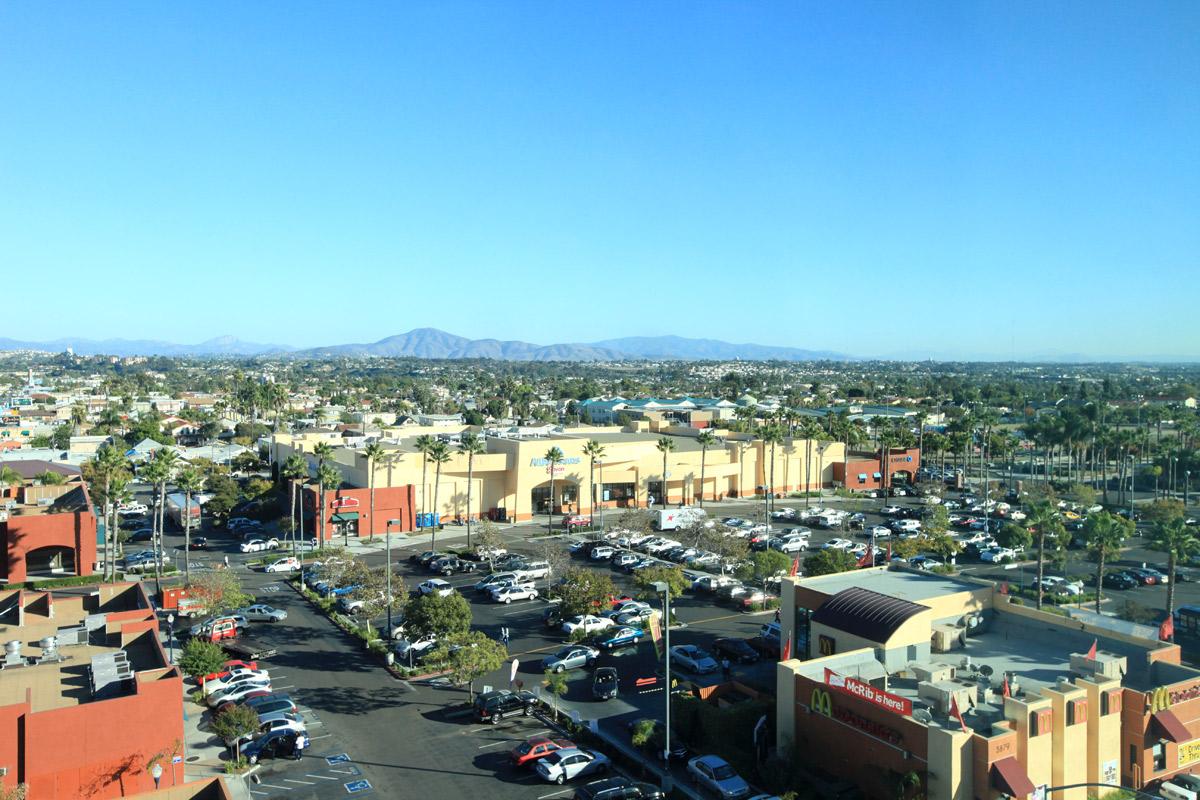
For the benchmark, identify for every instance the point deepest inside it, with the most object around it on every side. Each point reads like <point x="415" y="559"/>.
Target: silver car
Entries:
<point x="261" y="612"/>
<point x="714" y="774"/>
<point x="572" y="656"/>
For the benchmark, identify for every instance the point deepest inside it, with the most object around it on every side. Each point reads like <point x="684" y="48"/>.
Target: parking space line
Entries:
<point x="322" y="777"/>
<point x="495" y="744"/>
<point x="556" y="794"/>
<point x="322" y="736"/>
<point x="306" y="783"/>
<point x="289" y="686"/>
<point x="345" y="771"/>
<point x="273" y="786"/>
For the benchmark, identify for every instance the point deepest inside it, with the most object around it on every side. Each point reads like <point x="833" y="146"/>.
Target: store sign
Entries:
<point x="1108" y="773"/>
<point x="822" y="704"/>
<point x="344" y="502"/>
<point x="1164" y="697"/>
<point x="541" y="462"/>
<point x="1189" y="753"/>
<point x="865" y="691"/>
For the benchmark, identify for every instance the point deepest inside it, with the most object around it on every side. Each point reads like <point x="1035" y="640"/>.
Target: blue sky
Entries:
<point x="947" y="178"/>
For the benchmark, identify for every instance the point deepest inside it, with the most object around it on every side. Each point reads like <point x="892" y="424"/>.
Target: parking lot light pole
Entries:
<point x="1132" y="464"/>
<point x="387" y="532"/>
<point x="665" y="589"/>
<point x="1187" y="480"/>
<point x="171" y="635"/>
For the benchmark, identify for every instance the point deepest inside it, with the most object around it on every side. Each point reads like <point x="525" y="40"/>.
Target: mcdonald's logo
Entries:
<point x="822" y="703"/>
<point x="1159" y="700"/>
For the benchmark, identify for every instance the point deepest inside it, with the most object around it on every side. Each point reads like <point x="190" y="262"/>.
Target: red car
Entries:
<point x="221" y="709"/>
<point x="536" y="747"/>
<point x="229" y="667"/>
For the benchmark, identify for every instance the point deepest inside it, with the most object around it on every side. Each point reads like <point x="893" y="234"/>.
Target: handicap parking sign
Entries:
<point x="341" y="758"/>
<point x="354" y="787"/>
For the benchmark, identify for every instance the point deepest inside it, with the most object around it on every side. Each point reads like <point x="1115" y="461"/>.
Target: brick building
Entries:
<point x="48" y="529"/>
<point x="348" y="511"/>
<point x="862" y="471"/>
<point x="87" y="697"/>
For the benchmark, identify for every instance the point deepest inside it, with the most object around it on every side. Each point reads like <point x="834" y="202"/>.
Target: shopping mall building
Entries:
<point x="900" y="671"/>
<point x="513" y="479"/>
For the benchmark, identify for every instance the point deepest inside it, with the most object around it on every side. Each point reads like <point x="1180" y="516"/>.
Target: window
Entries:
<point x="1104" y="712"/>
<point x="1159" y="752"/>
<point x="618" y="491"/>
<point x="911" y="655"/>
<point x="1132" y="756"/>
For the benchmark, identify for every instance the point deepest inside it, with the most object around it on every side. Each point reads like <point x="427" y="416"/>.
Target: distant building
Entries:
<point x="48" y="529"/>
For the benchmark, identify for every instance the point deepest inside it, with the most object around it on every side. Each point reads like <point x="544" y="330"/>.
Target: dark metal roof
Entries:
<point x="864" y="613"/>
<point x="34" y="466"/>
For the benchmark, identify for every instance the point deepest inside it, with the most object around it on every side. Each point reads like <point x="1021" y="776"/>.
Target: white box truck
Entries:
<point x="674" y="518"/>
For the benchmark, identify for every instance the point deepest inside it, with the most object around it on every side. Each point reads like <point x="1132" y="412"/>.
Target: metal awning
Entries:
<point x="1009" y="777"/>
<point x="1171" y="727"/>
<point x="877" y="475"/>
<point x="862" y="476"/>
<point x="345" y="516"/>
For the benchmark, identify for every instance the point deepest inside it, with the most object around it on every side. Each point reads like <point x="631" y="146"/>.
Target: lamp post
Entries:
<point x="665" y="590"/>
<point x="156" y="773"/>
<point x="1131" y="484"/>
<point x="601" y="465"/>
<point x="1187" y="480"/>
<point x="388" y="534"/>
<point x="171" y="635"/>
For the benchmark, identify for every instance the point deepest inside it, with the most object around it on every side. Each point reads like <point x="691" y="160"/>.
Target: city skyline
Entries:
<point x="982" y="182"/>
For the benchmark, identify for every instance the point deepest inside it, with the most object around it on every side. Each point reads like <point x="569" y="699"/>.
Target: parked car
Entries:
<point x="448" y="565"/>
<point x="714" y="774"/>
<point x="1119" y="581"/>
<point x="416" y="647"/>
<point x="238" y="691"/>
<point x="261" y="612"/>
<point x="571" y="656"/>
<point x="258" y="545"/>
<point x="564" y="765"/>
<point x="1180" y="787"/>
<point x="235" y="677"/>
<point x="602" y="553"/>
<point x="198" y="543"/>
<point x="573" y="521"/>
<point x="507" y="594"/>
<point x="619" y="637"/>
<point x="635" y="616"/>
<point x="423" y="558"/>
<point x="285" y="564"/>
<point x="497" y="704"/>
<point x="736" y="650"/>
<point x="530" y="750"/>
<point x="487" y="582"/>
<point x="605" y="683"/>
<point x="618" y="789"/>
<point x="435" y="586"/>
<point x="1145" y="577"/>
<point x="998" y="555"/>
<point x="692" y="659"/>
<point x="552" y="616"/>
<point x="588" y="622"/>
<point x="276" y="744"/>
<point x="276" y="722"/>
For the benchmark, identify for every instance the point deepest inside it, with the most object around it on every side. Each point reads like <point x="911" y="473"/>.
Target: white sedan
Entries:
<point x="510" y="593"/>
<point x="879" y="531"/>
<point x="693" y="659"/>
<point x="257" y="545"/>
<point x="570" y="762"/>
<point x="234" y="677"/>
<point x="998" y="555"/>
<point x="436" y="586"/>
<point x="889" y="510"/>
<point x="288" y="564"/>
<point x="838" y="544"/>
<point x="589" y="623"/>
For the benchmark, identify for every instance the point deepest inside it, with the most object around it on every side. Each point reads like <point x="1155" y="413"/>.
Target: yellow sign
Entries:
<point x="1189" y="752"/>
<point x="1159" y="700"/>
<point x="821" y="702"/>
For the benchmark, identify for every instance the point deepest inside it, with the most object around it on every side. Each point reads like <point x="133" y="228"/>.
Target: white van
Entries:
<point x="771" y="631"/>
<point x="535" y="570"/>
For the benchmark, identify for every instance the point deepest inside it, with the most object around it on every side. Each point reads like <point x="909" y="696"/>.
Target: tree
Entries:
<point x="827" y="561"/>
<point x="672" y="576"/>
<point x="554" y="457"/>
<point x="471" y="445"/>
<point x="201" y="658"/>
<point x="161" y="470"/>
<point x="220" y="590"/>
<point x="1105" y="533"/>
<point x="556" y="685"/>
<point x="50" y="478"/>
<point x="258" y="488"/>
<point x="938" y="521"/>
<point x="1081" y="495"/>
<point x="942" y="544"/>
<point x="705" y="439"/>
<point x="328" y="476"/>
<point x="190" y="481"/>
<point x="424" y="444"/>
<point x="666" y="446"/>
<point x="294" y="469"/>
<point x="374" y="452"/>
<point x="488" y="539"/>
<point x="1043" y="521"/>
<point x="444" y="616"/>
<point x="439" y="454"/>
<point x="582" y="591"/>
<point x="634" y="520"/>
<point x="1014" y="537"/>
<point x="61" y="438"/>
<point x="594" y="451"/>
<point x="1178" y="541"/>
<point x="766" y="564"/>
<point x="235" y="723"/>
<point x="771" y="435"/>
<point x="111" y="466"/>
<point x="224" y="495"/>
<point x="469" y="656"/>
<point x="1164" y="511"/>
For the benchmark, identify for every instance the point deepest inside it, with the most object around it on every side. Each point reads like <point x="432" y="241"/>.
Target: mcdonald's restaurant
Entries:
<point x="905" y="681"/>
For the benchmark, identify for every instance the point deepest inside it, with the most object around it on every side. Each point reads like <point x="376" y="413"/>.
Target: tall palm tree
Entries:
<point x="810" y="429"/>
<point x="1043" y="521"/>
<point x="471" y="445"/>
<point x="439" y="454"/>
<point x="1175" y="538"/>
<point x="594" y="451"/>
<point x="79" y="415"/>
<point x="110" y="464"/>
<point x="771" y="435"/>
<point x="190" y="481"/>
<point x="665" y="445"/>
<point x="294" y="468"/>
<point x="706" y="439"/>
<point x="554" y="457"/>
<point x="328" y="476"/>
<point x="424" y="444"/>
<point x="1105" y="534"/>
<point x="374" y="451"/>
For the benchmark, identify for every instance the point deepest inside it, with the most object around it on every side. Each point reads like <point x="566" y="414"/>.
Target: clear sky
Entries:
<point x="1005" y="178"/>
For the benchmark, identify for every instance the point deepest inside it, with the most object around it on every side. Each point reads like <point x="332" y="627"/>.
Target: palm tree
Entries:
<point x="772" y="435"/>
<point x="294" y="469"/>
<point x="1105" y="534"/>
<point x="1175" y="538"/>
<point x="439" y="454"/>
<point x="50" y="478"/>
<point x="594" y="451"/>
<point x="424" y="444"/>
<point x="665" y="445"/>
<point x="554" y="457"/>
<point x="472" y="446"/>
<point x="79" y="415"/>
<point x="1043" y="520"/>
<point x="190" y="481"/>
<point x="374" y="451"/>
<point x="706" y="439"/>
<point x="328" y="475"/>
<point x="810" y="429"/>
<point x="111" y="465"/>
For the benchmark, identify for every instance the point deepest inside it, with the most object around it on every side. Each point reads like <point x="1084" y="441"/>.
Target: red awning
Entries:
<point x="1171" y="727"/>
<point x="1009" y="777"/>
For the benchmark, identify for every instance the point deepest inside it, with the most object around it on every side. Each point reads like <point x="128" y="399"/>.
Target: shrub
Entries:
<point x="201" y="658"/>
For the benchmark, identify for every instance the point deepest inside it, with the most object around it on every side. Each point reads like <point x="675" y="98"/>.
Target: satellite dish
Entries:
<point x="986" y="670"/>
<point x="921" y="715"/>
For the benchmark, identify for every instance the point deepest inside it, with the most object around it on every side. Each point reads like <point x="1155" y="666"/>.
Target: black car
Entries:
<point x="1119" y="580"/>
<point x="448" y="565"/>
<point x="736" y="650"/>
<point x="141" y="535"/>
<point x="858" y="521"/>
<point x="424" y="558"/>
<point x="552" y="617"/>
<point x="604" y="683"/>
<point x="618" y="789"/>
<point x="198" y="543"/>
<point x="769" y="648"/>
<point x="496" y="705"/>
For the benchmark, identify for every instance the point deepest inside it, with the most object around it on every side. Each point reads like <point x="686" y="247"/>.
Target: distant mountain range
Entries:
<point x="432" y="343"/>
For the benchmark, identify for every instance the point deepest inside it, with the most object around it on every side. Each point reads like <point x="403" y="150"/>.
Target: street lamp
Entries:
<point x="156" y="773"/>
<point x="1187" y="480"/>
<point x="665" y="589"/>
<point x="601" y="465"/>
<point x="1131" y="485"/>
<point x="171" y="635"/>
<point x="387" y="532"/>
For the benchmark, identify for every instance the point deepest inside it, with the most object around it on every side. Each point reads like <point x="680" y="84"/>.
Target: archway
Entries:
<point x="50" y="560"/>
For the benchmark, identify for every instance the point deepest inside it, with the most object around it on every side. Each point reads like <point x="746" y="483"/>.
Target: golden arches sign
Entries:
<point x="822" y="703"/>
<point x="1159" y="700"/>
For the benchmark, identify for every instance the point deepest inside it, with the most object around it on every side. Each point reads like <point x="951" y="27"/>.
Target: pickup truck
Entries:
<point x="248" y="648"/>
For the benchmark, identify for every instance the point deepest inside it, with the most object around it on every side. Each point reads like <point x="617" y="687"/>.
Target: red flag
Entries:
<point x="1092" y="652"/>
<point x="1004" y="690"/>
<point x="954" y="712"/>
<point x="795" y="567"/>
<point x="787" y="649"/>
<point x="867" y="558"/>
<point x="1166" y="631"/>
